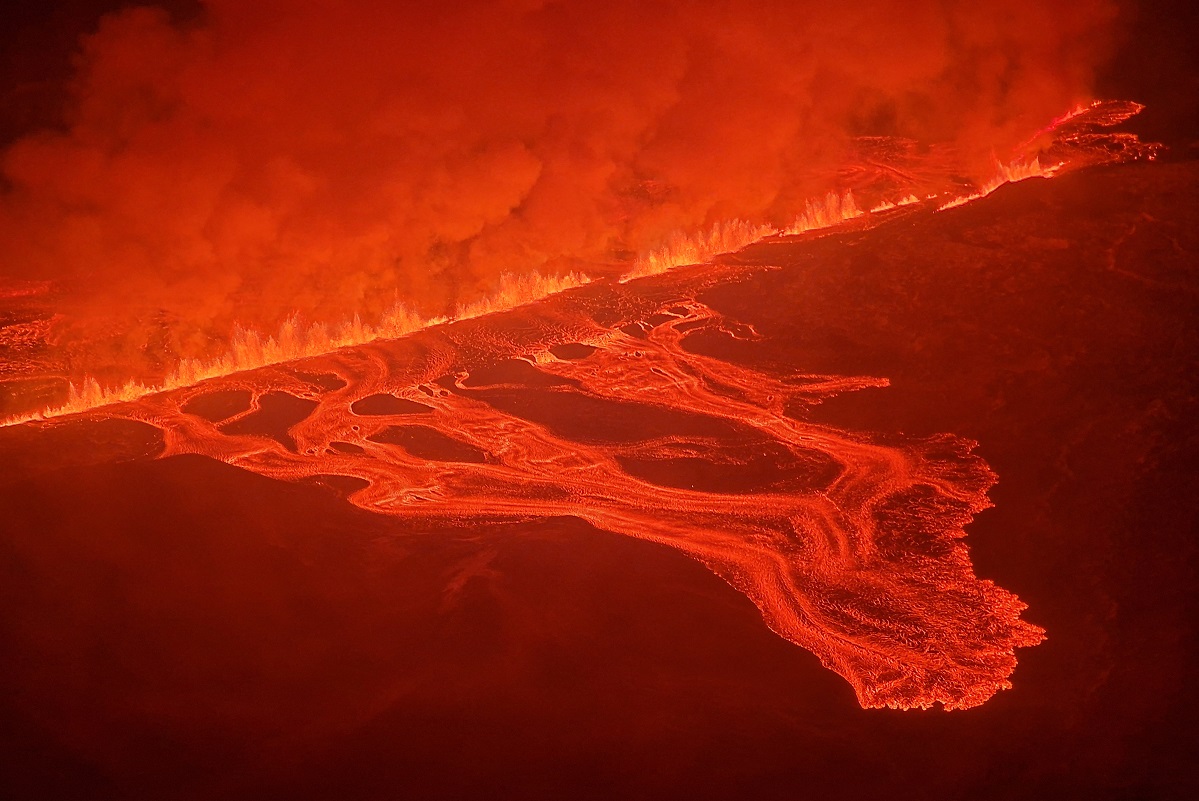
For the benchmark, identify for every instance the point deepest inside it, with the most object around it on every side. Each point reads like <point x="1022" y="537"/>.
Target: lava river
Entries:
<point x="591" y="404"/>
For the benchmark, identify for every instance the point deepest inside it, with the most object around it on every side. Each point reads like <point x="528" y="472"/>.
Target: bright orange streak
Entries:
<point x="834" y="210"/>
<point x="1114" y="112"/>
<point x="887" y="205"/>
<point x="1006" y="174"/>
<point x="682" y="250"/>
<point x="251" y="349"/>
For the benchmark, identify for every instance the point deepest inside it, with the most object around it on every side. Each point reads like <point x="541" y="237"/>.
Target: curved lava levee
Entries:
<point x="589" y="404"/>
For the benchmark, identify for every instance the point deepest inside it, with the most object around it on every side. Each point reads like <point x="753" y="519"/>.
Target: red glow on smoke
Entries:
<point x="273" y="158"/>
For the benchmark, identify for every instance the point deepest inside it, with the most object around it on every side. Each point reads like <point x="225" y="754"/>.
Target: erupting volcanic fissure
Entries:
<point x="1072" y="139"/>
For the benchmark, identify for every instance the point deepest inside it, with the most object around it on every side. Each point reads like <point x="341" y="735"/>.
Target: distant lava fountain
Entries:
<point x="1071" y="141"/>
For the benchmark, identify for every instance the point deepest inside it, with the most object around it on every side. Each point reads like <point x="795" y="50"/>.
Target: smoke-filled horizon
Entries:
<point x="334" y="157"/>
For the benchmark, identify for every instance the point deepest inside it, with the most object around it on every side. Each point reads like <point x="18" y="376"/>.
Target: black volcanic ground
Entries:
<point x="181" y="628"/>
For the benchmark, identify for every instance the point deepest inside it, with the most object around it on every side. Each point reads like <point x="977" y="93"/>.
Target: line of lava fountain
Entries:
<point x="1007" y="174"/>
<point x="834" y="209"/>
<point x="682" y="249"/>
<point x="251" y="349"/>
<point x="887" y="205"/>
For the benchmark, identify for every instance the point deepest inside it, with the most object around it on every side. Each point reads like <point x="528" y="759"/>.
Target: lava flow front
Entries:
<point x="594" y="404"/>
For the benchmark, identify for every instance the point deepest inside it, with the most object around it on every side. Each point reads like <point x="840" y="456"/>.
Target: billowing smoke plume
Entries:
<point x="330" y="157"/>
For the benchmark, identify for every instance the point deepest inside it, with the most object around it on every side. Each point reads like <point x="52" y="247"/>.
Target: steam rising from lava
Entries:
<point x="276" y="157"/>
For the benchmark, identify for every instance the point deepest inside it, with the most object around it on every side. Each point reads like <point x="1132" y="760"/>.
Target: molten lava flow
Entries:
<point x="591" y="404"/>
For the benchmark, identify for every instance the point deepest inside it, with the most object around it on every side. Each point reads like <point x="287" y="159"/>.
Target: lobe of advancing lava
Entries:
<point x="590" y="405"/>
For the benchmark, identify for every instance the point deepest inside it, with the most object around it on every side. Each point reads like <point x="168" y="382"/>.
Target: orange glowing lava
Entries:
<point x="849" y="544"/>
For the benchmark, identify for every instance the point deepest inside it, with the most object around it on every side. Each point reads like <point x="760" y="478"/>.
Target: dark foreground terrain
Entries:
<point x="181" y="628"/>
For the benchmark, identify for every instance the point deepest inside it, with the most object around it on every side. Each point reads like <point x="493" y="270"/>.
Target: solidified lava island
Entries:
<point x="592" y="404"/>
